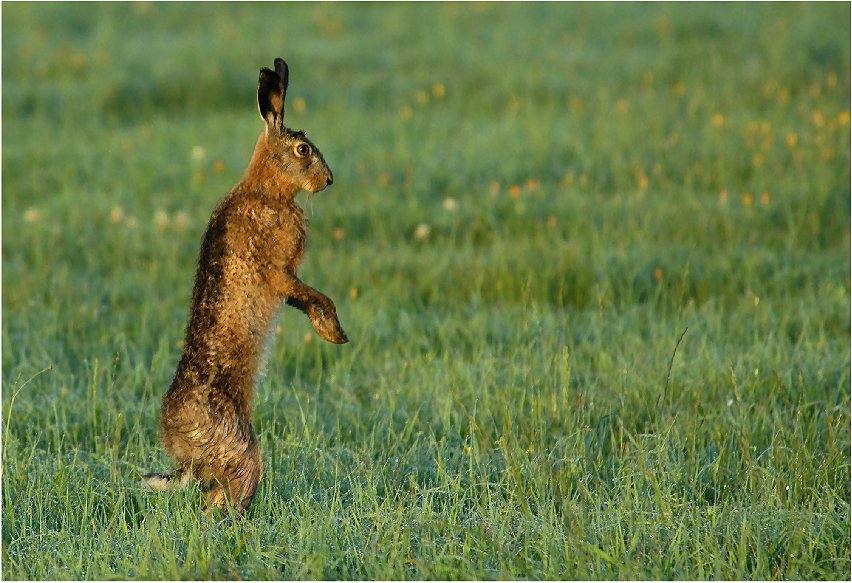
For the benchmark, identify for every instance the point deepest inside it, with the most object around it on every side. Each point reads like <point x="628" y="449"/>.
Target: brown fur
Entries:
<point x="247" y="269"/>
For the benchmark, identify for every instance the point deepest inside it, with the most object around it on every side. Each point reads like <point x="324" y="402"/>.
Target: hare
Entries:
<point x="247" y="270"/>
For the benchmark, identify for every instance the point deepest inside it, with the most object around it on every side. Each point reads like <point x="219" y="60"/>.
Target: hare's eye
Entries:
<point x="302" y="150"/>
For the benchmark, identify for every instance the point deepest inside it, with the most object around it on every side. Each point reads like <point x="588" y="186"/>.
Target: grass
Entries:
<point x="515" y="401"/>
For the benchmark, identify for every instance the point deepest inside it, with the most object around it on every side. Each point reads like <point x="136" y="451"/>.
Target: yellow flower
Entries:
<point x="338" y="234"/>
<point x="32" y="215"/>
<point x="718" y="120"/>
<point x="792" y="140"/>
<point x="576" y="104"/>
<point x="161" y="219"/>
<point x="143" y="8"/>
<point x="77" y="61"/>
<point x="843" y="118"/>
<point x="422" y="232"/>
<point x="438" y="90"/>
<point x="515" y="191"/>
<point x="299" y="105"/>
<point x="406" y="113"/>
<point x="116" y="215"/>
<point x="748" y="199"/>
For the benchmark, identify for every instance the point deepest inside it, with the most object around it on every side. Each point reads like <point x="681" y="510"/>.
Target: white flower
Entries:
<point x="181" y="219"/>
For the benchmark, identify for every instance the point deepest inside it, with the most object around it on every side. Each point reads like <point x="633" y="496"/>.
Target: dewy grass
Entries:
<point x="531" y="204"/>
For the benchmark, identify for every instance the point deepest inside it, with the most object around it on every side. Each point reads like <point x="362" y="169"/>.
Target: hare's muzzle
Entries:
<point x="319" y="181"/>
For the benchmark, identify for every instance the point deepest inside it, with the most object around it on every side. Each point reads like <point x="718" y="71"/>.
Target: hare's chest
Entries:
<point x="287" y="238"/>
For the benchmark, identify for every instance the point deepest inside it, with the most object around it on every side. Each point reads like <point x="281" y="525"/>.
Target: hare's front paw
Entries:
<point x="325" y="322"/>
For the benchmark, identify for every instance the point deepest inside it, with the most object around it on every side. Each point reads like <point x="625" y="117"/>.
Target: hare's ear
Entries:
<point x="271" y="90"/>
<point x="283" y="72"/>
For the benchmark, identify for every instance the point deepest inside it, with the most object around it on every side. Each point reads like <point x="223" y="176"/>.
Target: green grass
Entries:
<point x="514" y="402"/>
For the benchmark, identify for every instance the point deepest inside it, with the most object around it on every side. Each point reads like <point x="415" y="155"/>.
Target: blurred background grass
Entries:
<point x="531" y="203"/>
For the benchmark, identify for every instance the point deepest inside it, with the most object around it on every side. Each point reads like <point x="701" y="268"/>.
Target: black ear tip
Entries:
<point x="281" y="69"/>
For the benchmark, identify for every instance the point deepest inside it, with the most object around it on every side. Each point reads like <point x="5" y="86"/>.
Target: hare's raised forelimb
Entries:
<point x="316" y="305"/>
<point x="297" y="292"/>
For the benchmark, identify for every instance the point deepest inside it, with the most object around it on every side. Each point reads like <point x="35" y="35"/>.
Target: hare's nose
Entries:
<point x="330" y="179"/>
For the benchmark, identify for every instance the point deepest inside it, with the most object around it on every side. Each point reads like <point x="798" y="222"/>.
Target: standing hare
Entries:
<point x="246" y="271"/>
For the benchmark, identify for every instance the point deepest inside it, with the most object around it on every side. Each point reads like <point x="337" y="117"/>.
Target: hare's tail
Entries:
<point x="160" y="482"/>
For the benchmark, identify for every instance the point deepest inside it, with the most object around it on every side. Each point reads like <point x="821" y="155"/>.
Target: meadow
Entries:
<point x="593" y="260"/>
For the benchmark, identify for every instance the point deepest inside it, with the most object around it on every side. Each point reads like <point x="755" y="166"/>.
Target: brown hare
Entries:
<point x="247" y="269"/>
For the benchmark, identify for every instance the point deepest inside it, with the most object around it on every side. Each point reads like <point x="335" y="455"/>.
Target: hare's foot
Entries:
<point x="235" y="484"/>
<point x="218" y="499"/>
<point x="215" y="496"/>
<point x="325" y="322"/>
<point x="161" y="482"/>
